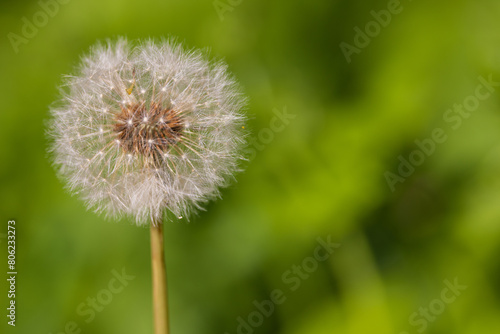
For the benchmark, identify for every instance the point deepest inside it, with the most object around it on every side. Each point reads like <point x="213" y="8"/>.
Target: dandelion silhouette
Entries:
<point x="148" y="132"/>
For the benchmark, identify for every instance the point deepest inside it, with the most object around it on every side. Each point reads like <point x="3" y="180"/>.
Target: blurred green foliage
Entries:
<point x="322" y="175"/>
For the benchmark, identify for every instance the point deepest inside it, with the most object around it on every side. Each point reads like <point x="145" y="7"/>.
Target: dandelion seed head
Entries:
<point x="156" y="148"/>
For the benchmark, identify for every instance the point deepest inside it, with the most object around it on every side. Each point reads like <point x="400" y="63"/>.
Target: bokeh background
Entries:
<point x="322" y="176"/>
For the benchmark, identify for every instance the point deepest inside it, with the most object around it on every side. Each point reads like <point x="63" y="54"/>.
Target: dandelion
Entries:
<point x="146" y="132"/>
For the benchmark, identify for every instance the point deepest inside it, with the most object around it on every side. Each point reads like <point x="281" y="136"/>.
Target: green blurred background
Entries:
<point x="322" y="175"/>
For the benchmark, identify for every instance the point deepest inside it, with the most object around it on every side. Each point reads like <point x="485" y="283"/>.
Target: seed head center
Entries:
<point x="149" y="131"/>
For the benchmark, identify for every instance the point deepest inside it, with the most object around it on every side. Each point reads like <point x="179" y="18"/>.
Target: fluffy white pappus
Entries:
<point x="141" y="131"/>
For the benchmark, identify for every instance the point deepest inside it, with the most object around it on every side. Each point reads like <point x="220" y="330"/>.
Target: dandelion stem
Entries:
<point x="160" y="303"/>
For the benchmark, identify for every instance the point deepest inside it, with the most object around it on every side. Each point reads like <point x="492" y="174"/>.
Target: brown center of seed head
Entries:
<point x="149" y="131"/>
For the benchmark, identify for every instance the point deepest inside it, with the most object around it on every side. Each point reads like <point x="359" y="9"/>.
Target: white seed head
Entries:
<point x="146" y="154"/>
